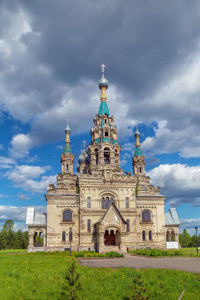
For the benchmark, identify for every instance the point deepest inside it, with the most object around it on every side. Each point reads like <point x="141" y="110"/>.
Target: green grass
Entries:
<point x="157" y="252"/>
<point x="12" y="251"/>
<point x="41" y="276"/>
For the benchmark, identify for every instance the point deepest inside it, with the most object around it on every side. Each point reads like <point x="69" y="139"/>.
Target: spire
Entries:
<point x="138" y="151"/>
<point x="67" y="147"/>
<point x="103" y="85"/>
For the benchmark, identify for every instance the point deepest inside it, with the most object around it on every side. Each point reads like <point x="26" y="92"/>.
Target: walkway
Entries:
<point x="190" y="264"/>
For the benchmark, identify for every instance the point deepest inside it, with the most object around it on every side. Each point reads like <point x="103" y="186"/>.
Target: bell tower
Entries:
<point x="138" y="158"/>
<point x="67" y="157"/>
<point x="104" y="150"/>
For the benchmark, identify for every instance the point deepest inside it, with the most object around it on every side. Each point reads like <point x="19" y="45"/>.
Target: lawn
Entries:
<point x="13" y="251"/>
<point x="175" y="252"/>
<point x="41" y="276"/>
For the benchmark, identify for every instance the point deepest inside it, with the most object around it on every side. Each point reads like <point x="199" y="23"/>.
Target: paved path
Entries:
<point x="190" y="264"/>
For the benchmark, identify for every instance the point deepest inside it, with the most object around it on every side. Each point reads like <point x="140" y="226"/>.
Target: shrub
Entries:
<point x="114" y="254"/>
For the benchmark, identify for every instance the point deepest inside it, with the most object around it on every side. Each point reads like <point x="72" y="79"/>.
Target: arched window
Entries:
<point x="96" y="156"/>
<point x="67" y="215"/>
<point x="105" y="121"/>
<point x="143" y="235"/>
<point x="150" y="235"/>
<point x="63" y="236"/>
<point x="38" y="239"/>
<point x="88" y="202"/>
<point x="106" y="133"/>
<point x="146" y="216"/>
<point x="67" y="167"/>
<point x="127" y="202"/>
<point x="140" y="170"/>
<point x="107" y="155"/>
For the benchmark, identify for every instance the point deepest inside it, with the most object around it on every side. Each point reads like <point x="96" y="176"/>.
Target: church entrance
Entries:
<point x="112" y="238"/>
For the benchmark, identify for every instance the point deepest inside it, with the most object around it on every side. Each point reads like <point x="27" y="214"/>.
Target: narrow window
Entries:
<point x="67" y="167"/>
<point x="88" y="202"/>
<point x="89" y="225"/>
<point x="140" y="169"/>
<point x="127" y="225"/>
<point x="67" y="215"/>
<point x="150" y="235"/>
<point x="127" y="202"/>
<point x="96" y="156"/>
<point x="106" y="133"/>
<point x="105" y="120"/>
<point x="143" y="235"/>
<point x="107" y="155"/>
<point x="63" y="236"/>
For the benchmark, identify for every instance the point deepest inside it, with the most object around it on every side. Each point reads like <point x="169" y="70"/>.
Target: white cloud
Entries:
<point x="23" y="197"/>
<point x="20" y="145"/>
<point x="180" y="183"/>
<point x="30" y="178"/>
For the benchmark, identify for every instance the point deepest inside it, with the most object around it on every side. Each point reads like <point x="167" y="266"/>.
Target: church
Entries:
<point x="100" y="207"/>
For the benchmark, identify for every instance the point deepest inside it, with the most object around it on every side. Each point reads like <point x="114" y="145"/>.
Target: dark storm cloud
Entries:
<point x="50" y="52"/>
<point x="141" y="41"/>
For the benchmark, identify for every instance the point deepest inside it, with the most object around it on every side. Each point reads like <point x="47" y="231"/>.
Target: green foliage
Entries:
<point x="78" y="190"/>
<point x="10" y="239"/>
<point x="114" y="254"/>
<point x="72" y="283"/>
<point x="42" y="276"/>
<point x="158" y="252"/>
<point x="95" y="254"/>
<point x="184" y="239"/>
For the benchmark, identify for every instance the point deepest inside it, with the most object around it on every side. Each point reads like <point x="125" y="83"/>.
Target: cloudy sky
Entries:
<point x="50" y="57"/>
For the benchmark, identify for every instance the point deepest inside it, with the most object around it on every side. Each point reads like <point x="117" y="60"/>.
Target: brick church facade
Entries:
<point x="101" y="207"/>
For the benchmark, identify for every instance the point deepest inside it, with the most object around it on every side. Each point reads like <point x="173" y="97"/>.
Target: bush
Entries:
<point x="114" y="254"/>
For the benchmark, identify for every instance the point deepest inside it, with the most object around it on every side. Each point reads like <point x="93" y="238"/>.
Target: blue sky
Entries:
<point x="50" y="57"/>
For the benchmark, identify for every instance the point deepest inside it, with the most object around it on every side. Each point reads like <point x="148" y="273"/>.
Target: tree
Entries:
<point x="72" y="283"/>
<point x="8" y="225"/>
<point x="9" y="239"/>
<point x="184" y="239"/>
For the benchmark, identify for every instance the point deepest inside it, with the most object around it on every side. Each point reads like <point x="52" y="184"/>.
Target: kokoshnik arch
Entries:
<point x="102" y="208"/>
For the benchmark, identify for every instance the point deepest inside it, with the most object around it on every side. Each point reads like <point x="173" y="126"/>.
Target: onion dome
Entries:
<point x="81" y="159"/>
<point x="67" y="129"/>
<point x="103" y="82"/>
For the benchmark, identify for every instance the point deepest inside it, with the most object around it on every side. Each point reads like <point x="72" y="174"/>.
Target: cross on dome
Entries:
<point x="103" y="68"/>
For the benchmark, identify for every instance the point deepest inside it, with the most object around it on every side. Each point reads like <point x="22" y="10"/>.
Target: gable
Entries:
<point x="112" y="216"/>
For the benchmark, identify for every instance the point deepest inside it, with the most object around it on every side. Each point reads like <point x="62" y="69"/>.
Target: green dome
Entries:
<point x="103" y="109"/>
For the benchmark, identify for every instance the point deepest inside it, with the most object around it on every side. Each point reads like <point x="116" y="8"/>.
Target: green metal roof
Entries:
<point x="138" y="152"/>
<point x="103" y="109"/>
<point x="67" y="149"/>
